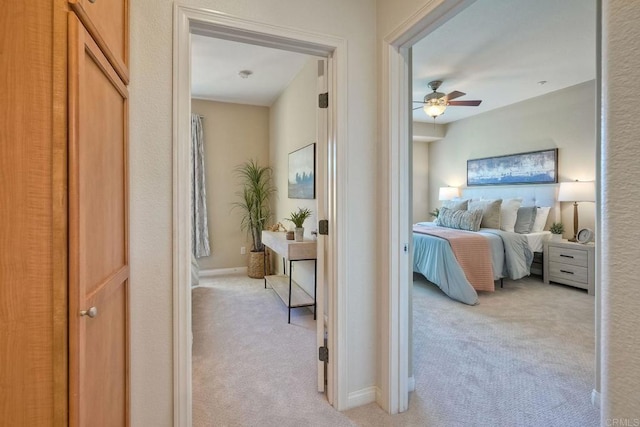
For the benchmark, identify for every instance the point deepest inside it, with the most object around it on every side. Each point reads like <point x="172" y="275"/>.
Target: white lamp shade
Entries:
<point x="577" y="191"/>
<point x="448" y="193"/>
<point x="434" y="110"/>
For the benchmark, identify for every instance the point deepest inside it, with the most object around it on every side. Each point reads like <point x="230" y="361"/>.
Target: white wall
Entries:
<point x="564" y="119"/>
<point x="292" y="124"/>
<point x="233" y="134"/>
<point x="151" y="104"/>
<point x="620" y="213"/>
<point x="421" y="182"/>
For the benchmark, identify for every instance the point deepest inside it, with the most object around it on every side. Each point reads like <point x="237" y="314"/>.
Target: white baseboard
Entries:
<point x="412" y="384"/>
<point x="221" y="272"/>
<point x="362" y="397"/>
<point x="595" y="398"/>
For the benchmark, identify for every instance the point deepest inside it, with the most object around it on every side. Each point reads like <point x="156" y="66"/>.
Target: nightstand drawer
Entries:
<point x="559" y="271"/>
<point x="568" y="256"/>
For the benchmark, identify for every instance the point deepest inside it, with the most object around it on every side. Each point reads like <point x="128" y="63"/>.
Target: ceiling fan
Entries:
<point x="435" y="103"/>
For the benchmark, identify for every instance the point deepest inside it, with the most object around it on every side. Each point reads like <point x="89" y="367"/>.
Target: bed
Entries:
<point x="510" y="253"/>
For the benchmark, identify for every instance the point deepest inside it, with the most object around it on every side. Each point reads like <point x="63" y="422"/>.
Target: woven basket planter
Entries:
<point x="256" y="265"/>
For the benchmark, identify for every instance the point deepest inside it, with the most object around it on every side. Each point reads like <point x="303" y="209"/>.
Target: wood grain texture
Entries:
<point x="108" y="23"/>
<point x="98" y="235"/>
<point x="59" y="221"/>
<point x="26" y="306"/>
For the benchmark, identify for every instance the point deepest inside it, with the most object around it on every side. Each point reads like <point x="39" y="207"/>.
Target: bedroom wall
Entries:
<point x="233" y="134"/>
<point x="564" y="119"/>
<point x="151" y="97"/>
<point x="292" y="124"/>
<point x="421" y="182"/>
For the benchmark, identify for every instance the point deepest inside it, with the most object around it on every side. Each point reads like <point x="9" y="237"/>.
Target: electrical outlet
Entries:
<point x="243" y="250"/>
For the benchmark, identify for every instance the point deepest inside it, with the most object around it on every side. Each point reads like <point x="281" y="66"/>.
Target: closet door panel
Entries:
<point x="108" y="23"/>
<point x="98" y="236"/>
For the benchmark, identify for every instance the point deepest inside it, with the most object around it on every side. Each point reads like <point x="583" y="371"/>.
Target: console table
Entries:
<point x="291" y="294"/>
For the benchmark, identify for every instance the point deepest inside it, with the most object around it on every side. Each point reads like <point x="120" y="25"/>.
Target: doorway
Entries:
<point x="398" y="59"/>
<point x="188" y="21"/>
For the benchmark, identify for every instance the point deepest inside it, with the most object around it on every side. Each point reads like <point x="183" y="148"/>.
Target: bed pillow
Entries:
<point x="526" y="219"/>
<point x="509" y="214"/>
<point x="541" y="219"/>
<point x="460" y="219"/>
<point x="456" y="204"/>
<point x="490" y="212"/>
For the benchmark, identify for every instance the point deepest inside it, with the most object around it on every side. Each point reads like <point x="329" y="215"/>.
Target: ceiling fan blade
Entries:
<point x="455" y="94"/>
<point x="465" y="103"/>
<point x="417" y="108"/>
<point x="418" y="102"/>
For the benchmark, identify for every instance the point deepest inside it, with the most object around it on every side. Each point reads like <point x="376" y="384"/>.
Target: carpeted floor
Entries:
<point x="523" y="357"/>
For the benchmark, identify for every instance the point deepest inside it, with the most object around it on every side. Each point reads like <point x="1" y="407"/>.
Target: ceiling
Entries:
<point x="495" y="50"/>
<point x="215" y="64"/>
<point x="498" y="50"/>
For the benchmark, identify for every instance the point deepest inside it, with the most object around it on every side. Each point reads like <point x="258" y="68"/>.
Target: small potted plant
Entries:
<point x="298" y="218"/>
<point x="557" y="228"/>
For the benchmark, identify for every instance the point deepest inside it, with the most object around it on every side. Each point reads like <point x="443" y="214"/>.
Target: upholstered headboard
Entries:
<point x="531" y="194"/>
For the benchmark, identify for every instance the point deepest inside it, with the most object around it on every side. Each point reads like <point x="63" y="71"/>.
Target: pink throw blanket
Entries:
<point x="471" y="251"/>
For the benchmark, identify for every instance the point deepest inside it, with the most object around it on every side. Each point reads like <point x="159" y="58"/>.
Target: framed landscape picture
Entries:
<point x="534" y="167"/>
<point x="302" y="173"/>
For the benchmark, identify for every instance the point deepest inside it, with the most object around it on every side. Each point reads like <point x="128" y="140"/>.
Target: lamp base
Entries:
<point x="575" y="222"/>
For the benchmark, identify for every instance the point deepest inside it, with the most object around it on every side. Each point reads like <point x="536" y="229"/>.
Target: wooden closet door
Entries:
<point x="98" y="237"/>
<point x="108" y="23"/>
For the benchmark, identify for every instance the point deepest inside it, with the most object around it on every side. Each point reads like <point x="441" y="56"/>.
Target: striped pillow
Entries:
<point x="462" y="220"/>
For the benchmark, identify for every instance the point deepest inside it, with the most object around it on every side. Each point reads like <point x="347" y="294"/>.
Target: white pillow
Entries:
<point x="509" y="214"/>
<point x="541" y="219"/>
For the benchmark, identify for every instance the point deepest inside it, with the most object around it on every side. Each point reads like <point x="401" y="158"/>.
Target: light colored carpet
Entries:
<point x="523" y="357"/>
<point x="251" y="368"/>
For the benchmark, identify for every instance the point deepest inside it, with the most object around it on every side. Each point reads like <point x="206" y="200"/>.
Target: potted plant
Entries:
<point x="257" y="188"/>
<point x="557" y="228"/>
<point x="298" y="218"/>
<point x="434" y="213"/>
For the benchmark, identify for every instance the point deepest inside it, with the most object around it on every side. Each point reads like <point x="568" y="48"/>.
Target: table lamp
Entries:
<point x="448" y="193"/>
<point x="576" y="191"/>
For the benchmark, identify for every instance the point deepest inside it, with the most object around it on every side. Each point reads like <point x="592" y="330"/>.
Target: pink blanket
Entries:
<point x="471" y="251"/>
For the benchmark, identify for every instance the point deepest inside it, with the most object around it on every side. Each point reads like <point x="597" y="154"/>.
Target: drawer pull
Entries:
<point x="565" y="271"/>
<point x="566" y="256"/>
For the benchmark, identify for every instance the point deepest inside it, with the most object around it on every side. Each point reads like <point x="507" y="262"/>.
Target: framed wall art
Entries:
<point x="302" y="173"/>
<point x="533" y="167"/>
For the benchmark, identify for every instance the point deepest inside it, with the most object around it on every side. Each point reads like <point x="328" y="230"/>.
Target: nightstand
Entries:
<point x="570" y="263"/>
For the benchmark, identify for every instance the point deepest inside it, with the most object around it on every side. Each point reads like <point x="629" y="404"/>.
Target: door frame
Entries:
<point x="189" y="20"/>
<point x="396" y="124"/>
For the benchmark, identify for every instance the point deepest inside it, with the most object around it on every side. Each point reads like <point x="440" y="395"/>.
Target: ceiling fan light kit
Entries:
<point x="435" y="103"/>
<point x="435" y="107"/>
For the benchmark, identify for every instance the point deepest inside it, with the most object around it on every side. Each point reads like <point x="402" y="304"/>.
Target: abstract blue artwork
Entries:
<point x="534" y="167"/>
<point x="302" y="176"/>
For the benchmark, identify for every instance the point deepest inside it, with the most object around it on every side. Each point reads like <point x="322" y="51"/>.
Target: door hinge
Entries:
<point x="323" y="100"/>
<point x="323" y="354"/>
<point x="323" y="227"/>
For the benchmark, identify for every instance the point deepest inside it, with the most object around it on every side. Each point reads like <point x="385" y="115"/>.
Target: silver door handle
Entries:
<point x="92" y="312"/>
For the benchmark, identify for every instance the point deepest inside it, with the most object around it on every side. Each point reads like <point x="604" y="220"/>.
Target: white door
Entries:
<point x="321" y="197"/>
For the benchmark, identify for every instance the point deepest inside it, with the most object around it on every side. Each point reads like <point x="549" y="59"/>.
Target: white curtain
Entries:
<point x="199" y="230"/>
